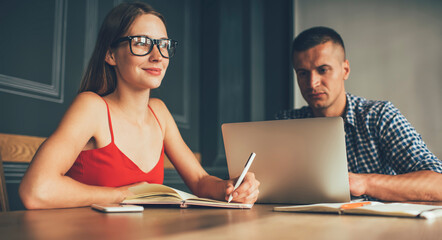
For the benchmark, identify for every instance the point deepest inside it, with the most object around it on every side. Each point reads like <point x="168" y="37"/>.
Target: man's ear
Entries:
<point x="110" y="59"/>
<point x="346" y="67"/>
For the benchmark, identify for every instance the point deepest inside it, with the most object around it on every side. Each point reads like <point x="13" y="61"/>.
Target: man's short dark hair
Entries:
<point x="314" y="36"/>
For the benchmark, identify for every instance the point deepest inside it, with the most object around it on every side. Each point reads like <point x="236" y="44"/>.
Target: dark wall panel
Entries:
<point x="42" y="68"/>
<point x="245" y="75"/>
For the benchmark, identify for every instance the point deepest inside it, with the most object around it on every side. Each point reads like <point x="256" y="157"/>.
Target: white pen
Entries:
<point x="243" y="174"/>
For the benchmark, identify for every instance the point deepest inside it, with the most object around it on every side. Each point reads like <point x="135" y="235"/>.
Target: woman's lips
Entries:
<point x="153" y="71"/>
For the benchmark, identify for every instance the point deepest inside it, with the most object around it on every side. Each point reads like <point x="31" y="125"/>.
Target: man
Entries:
<point x="387" y="159"/>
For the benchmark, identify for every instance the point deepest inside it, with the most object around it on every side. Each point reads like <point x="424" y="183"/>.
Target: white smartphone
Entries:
<point x="114" y="208"/>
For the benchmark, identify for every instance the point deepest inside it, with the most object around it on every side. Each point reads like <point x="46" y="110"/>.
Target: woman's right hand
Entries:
<point x="125" y="192"/>
<point x="247" y="192"/>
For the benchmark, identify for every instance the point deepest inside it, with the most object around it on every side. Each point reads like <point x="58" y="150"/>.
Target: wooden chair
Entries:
<point x="15" y="148"/>
<point x="19" y="148"/>
<point x="4" y="206"/>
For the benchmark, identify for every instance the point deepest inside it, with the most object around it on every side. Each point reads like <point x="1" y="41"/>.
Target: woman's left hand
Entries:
<point x="247" y="192"/>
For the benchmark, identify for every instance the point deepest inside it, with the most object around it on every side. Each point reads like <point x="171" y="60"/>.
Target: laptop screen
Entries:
<point x="298" y="161"/>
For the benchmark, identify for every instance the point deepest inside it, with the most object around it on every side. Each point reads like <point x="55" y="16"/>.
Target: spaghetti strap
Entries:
<point x="155" y="117"/>
<point x="109" y="119"/>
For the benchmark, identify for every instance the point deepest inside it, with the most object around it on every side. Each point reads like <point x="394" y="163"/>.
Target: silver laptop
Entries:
<point x="298" y="161"/>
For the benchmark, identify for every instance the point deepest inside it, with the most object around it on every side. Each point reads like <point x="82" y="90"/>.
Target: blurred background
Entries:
<point x="233" y="63"/>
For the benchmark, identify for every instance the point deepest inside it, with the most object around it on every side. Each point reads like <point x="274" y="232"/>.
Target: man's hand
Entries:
<point x="414" y="186"/>
<point x="358" y="184"/>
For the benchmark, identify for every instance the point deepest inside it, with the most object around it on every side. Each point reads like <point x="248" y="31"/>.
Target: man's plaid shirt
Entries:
<point x="379" y="138"/>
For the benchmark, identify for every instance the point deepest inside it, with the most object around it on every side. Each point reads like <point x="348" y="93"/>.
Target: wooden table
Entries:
<point x="209" y="223"/>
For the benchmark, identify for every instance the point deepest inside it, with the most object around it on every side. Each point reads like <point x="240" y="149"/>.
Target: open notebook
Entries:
<point x="160" y="194"/>
<point x="372" y="208"/>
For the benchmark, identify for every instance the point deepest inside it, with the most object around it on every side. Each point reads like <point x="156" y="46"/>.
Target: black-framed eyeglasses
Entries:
<point x="143" y="45"/>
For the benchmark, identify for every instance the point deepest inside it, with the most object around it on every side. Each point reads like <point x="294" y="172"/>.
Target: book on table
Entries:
<point x="369" y="208"/>
<point x="157" y="194"/>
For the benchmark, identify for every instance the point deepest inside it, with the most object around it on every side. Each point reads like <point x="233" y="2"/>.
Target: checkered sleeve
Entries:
<point x="402" y="145"/>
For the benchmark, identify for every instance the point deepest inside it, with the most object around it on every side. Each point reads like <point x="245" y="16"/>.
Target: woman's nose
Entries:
<point x="155" y="54"/>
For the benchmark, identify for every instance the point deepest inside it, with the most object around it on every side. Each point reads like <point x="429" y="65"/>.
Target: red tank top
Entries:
<point x="108" y="166"/>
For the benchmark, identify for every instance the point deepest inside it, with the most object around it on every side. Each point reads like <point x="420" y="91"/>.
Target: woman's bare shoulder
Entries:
<point x="86" y="106"/>
<point x="158" y="106"/>
<point x="83" y="120"/>
<point x="89" y="97"/>
<point x="160" y="110"/>
<point x="89" y="102"/>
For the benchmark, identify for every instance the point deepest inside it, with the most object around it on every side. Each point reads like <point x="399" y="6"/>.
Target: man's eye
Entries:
<point x="302" y="74"/>
<point x="322" y="70"/>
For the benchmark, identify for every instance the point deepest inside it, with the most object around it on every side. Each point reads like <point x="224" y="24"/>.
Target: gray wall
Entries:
<point x="395" y="53"/>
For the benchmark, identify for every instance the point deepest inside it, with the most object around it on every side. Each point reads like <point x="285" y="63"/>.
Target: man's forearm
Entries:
<point x="415" y="186"/>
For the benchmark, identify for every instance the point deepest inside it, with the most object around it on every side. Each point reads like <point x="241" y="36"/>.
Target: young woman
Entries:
<point x="114" y="135"/>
